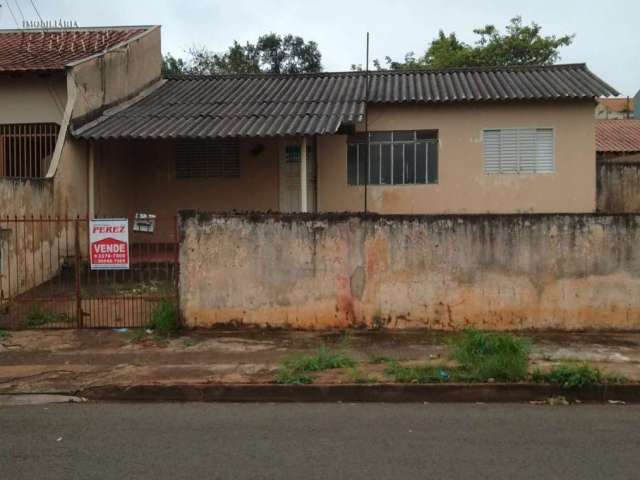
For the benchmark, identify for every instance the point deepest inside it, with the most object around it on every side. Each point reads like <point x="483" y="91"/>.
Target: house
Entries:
<point x="617" y="138"/>
<point x="615" y="108"/>
<point x="476" y="140"/>
<point x="47" y="79"/>
<point x="505" y="139"/>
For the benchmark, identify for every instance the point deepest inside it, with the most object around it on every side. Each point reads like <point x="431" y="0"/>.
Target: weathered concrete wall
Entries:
<point x="618" y="186"/>
<point x="443" y="272"/>
<point x="26" y="197"/>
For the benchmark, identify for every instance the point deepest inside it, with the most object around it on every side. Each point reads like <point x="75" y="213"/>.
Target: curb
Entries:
<point x="392" y="393"/>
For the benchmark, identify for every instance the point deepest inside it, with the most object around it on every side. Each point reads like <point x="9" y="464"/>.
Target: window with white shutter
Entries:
<point x="518" y="150"/>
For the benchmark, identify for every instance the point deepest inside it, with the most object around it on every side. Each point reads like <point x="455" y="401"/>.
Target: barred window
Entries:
<point x="219" y="158"/>
<point x="26" y="149"/>
<point x="518" y="150"/>
<point x="395" y="158"/>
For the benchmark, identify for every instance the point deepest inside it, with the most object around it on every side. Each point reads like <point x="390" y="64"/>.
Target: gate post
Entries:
<point x="79" y="319"/>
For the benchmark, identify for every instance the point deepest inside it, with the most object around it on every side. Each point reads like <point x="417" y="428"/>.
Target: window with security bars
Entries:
<point x="518" y="150"/>
<point x="26" y="149"/>
<point x="219" y="158"/>
<point x="394" y="158"/>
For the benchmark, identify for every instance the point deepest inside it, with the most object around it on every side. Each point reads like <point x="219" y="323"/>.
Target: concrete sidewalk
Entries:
<point x="70" y="360"/>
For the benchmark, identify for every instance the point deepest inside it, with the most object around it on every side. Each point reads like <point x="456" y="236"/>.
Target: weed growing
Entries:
<point x="296" y="369"/>
<point x="4" y="335"/>
<point x="485" y="355"/>
<point x="571" y="375"/>
<point x="137" y="335"/>
<point x="416" y="374"/>
<point x="360" y="377"/>
<point x="164" y="319"/>
<point x="38" y="317"/>
<point x="378" y="359"/>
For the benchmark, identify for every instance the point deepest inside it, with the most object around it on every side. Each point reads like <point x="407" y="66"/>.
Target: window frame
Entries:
<point x="554" y="167"/>
<point x="431" y="139"/>
<point x="208" y="155"/>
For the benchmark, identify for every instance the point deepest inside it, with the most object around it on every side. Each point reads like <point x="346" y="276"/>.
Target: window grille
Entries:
<point x="395" y="158"/>
<point x="26" y="149"/>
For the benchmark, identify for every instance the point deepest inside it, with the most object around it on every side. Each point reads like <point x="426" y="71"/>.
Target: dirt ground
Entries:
<point x="52" y="361"/>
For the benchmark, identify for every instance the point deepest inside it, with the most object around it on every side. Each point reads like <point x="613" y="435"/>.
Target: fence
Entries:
<point x="46" y="280"/>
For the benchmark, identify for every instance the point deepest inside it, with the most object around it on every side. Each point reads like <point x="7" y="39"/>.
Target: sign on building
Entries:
<point x="109" y="243"/>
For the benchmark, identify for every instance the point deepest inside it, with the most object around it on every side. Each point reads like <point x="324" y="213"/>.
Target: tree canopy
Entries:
<point x="519" y="45"/>
<point x="272" y="53"/>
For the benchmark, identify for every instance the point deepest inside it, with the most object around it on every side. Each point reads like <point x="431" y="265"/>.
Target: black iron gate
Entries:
<point x="46" y="280"/>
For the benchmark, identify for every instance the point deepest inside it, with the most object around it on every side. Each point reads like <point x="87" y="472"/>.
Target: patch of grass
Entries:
<point x="485" y="355"/>
<point x="378" y="359"/>
<point x="164" y="319"/>
<point x="288" y="377"/>
<point x="4" y="335"/>
<point x="296" y="369"/>
<point x="137" y="335"/>
<point x="38" y="316"/>
<point x="571" y="375"/>
<point x="416" y="374"/>
<point x="187" y="342"/>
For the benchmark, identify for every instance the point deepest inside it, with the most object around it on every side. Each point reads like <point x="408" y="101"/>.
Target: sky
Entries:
<point x="606" y="33"/>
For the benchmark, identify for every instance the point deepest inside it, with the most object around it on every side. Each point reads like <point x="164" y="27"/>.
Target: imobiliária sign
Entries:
<point x="109" y="244"/>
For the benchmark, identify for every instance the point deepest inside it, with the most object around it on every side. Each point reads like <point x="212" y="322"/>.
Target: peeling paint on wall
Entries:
<point x="560" y="271"/>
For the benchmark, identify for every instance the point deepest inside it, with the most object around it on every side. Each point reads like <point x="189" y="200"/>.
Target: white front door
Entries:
<point x="290" y="187"/>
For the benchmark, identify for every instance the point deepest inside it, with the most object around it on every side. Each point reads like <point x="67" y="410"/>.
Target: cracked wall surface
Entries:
<point x="561" y="271"/>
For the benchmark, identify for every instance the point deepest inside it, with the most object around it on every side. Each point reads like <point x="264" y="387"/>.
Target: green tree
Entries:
<point x="172" y="65"/>
<point x="519" y="45"/>
<point x="271" y="53"/>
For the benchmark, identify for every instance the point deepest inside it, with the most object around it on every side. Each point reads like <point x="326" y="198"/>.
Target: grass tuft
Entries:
<point x="4" y="335"/>
<point x="164" y="319"/>
<point x="416" y="374"/>
<point x="486" y="355"/>
<point x="575" y="375"/>
<point x="38" y="316"/>
<point x="296" y="369"/>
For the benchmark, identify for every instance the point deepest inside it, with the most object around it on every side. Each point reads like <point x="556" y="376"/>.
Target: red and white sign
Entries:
<point x="109" y="244"/>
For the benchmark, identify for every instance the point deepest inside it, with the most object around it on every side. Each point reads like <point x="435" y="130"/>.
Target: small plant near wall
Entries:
<point x="39" y="317"/>
<point x="486" y="355"/>
<point x="164" y="319"/>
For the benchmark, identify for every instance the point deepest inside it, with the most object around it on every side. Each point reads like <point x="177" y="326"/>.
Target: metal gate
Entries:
<point x="46" y="280"/>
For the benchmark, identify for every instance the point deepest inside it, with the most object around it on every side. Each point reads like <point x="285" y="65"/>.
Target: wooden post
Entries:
<point x="303" y="176"/>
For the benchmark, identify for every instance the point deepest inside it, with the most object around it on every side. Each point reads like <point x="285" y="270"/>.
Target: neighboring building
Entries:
<point x="615" y="108"/>
<point x="617" y="138"/>
<point x="47" y="79"/>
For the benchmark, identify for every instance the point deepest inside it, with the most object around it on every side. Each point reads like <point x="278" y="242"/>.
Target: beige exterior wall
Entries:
<point x="32" y="99"/>
<point x="463" y="187"/>
<point x="506" y="272"/>
<point x="140" y="177"/>
<point x="116" y="75"/>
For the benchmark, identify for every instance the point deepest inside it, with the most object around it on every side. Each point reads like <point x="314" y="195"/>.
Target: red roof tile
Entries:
<point x="31" y="50"/>
<point x="618" y="135"/>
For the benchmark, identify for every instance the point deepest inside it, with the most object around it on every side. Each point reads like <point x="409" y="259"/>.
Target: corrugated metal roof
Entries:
<point x="314" y="104"/>
<point x="618" y="135"/>
<point x="50" y="50"/>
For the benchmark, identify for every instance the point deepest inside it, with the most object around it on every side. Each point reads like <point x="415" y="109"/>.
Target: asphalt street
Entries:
<point x="323" y="441"/>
